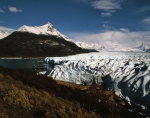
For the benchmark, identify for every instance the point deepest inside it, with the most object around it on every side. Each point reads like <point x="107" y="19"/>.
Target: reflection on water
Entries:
<point x="25" y="64"/>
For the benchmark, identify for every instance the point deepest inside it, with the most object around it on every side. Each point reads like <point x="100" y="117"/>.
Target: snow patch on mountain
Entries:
<point x="3" y="34"/>
<point x="88" y="46"/>
<point x="47" y="29"/>
<point x="127" y="74"/>
<point x="144" y="47"/>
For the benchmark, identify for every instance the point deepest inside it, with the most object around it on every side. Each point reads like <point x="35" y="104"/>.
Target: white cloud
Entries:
<point x="124" y="30"/>
<point x="108" y="13"/>
<point x="1" y="10"/>
<point x="107" y="27"/>
<point x="9" y="30"/>
<point x="129" y="39"/>
<point x="14" y="9"/>
<point x="107" y="6"/>
<point x="147" y="20"/>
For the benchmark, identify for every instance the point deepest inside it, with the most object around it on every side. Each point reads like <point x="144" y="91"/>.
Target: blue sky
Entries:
<point x="122" y="22"/>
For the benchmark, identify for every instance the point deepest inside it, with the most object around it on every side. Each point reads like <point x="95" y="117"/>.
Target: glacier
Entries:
<point x="126" y="74"/>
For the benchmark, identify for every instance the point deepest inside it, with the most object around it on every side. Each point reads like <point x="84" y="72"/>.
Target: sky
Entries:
<point x="105" y="22"/>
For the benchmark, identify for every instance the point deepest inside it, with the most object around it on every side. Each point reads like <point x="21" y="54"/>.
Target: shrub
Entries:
<point x="17" y="97"/>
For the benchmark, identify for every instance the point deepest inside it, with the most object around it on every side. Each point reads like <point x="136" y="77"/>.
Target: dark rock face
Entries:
<point x="23" y="44"/>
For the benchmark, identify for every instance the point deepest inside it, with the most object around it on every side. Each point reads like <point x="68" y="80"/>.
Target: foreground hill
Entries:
<point x="26" y="94"/>
<point x="21" y="101"/>
<point x="25" y="44"/>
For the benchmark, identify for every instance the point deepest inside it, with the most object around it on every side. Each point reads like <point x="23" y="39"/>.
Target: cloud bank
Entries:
<point x="9" y="30"/>
<point x="121" y="37"/>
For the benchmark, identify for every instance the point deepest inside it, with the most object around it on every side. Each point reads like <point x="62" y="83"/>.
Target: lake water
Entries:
<point x="25" y="64"/>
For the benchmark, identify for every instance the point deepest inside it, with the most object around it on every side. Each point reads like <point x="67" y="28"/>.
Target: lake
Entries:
<point x="34" y="64"/>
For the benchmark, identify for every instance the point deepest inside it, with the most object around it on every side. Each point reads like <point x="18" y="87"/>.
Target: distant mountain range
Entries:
<point x="39" y="41"/>
<point x="45" y="40"/>
<point x="144" y="47"/>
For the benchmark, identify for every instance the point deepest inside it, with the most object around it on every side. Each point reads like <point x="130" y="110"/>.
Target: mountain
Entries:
<point x="3" y="34"/>
<point x="144" y="47"/>
<point x="47" y="29"/>
<point x="38" y="42"/>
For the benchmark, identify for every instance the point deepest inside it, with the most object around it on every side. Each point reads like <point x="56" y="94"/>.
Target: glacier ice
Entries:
<point x="126" y="74"/>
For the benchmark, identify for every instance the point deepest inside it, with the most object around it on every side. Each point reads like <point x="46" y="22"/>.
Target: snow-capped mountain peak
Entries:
<point x="144" y="46"/>
<point x="3" y="34"/>
<point x="47" y="29"/>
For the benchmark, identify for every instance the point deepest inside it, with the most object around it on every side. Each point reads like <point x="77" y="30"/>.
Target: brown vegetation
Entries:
<point x="41" y="96"/>
<point x="21" y="101"/>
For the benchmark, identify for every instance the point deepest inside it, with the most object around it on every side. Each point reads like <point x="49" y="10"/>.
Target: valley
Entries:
<point x="97" y="81"/>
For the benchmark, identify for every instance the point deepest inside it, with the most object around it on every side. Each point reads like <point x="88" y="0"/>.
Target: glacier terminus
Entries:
<point x="127" y="74"/>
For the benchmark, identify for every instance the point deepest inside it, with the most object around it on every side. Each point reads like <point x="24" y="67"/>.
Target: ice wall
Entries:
<point x="127" y="74"/>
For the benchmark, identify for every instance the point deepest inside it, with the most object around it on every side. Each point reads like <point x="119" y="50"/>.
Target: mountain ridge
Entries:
<point x="24" y="44"/>
<point x="47" y="29"/>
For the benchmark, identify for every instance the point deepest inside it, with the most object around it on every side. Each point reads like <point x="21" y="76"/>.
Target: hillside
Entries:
<point x="24" y="44"/>
<point x="27" y="94"/>
<point x="21" y="101"/>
